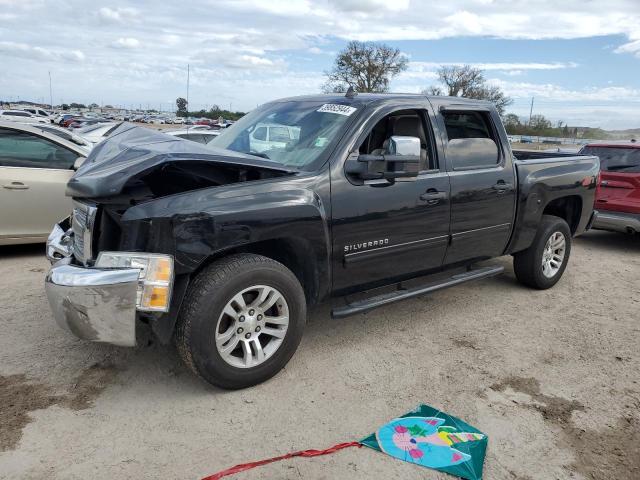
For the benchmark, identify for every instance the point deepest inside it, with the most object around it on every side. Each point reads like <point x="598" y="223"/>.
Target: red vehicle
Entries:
<point x="618" y="193"/>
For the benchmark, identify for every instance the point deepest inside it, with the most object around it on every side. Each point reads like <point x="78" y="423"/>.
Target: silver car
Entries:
<point x="34" y="169"/>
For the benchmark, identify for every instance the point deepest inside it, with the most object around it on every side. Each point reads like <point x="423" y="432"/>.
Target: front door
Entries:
<point x="483" y="190"/>
<point x="33" y="176"/>
<point x="387" y="231"/>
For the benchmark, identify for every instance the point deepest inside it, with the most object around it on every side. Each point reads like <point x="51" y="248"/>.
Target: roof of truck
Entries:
<point x="366" y="98"/>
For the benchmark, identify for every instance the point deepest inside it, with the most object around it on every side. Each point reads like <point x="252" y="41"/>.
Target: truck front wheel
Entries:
<point x="241" y="321"/>
<point x="543" y="263"/>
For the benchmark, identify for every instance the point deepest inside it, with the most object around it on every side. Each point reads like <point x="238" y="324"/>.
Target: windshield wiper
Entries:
<point x="257" y="154"/>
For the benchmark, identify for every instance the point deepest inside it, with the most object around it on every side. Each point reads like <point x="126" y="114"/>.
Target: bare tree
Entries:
<point x="467" y="81"/>
<point x="367" y="67"/>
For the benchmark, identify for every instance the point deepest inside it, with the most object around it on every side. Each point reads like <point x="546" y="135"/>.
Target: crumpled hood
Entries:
<point x="131" y="151"/>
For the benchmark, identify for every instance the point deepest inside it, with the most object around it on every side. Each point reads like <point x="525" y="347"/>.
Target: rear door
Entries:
<point x="483" y="190"/>
<point x="33" y="175"/>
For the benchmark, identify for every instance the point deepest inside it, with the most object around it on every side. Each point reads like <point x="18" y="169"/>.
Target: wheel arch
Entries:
<point x="295" y="253"/>
<point x="568" y="208"/>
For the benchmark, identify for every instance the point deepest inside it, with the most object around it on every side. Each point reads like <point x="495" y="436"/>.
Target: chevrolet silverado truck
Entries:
<point x="363" y="200"/>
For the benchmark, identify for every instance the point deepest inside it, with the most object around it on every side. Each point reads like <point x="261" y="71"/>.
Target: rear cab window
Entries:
<point x="621" y="159"/>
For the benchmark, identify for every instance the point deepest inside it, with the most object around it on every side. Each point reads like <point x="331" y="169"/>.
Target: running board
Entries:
<point x="361" y="306"/>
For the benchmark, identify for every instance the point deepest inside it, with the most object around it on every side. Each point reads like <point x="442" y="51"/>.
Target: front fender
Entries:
<point x="196" y="225"/>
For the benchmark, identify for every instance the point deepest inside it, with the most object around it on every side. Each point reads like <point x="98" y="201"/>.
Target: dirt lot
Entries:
<point x="552" y="377"/>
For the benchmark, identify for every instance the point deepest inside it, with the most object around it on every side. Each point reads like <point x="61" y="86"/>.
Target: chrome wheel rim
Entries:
<point x="553" y="254"/>
<point x="252" y="326"/>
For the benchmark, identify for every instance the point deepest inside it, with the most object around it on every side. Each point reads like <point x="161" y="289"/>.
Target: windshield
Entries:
<point x="294" y="134"/>
<point x="616" y="159"/>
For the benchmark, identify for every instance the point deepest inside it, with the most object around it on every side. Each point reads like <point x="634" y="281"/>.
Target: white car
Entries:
<point x="64" y="133"/>
<point x="20" y="116"/>
<point x="38" y="112"/>
<point x="97" y="132"/>
<point x="178" y="120"/>
<point x="35" y="167"/>
<point x="199" y="135"/>
<point x="272" y="135"/>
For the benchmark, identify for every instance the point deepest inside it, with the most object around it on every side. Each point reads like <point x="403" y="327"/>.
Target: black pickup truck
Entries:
<point x="361" y="199"/>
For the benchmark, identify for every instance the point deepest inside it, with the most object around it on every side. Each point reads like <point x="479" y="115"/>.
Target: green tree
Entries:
<point x="512" y="124"/>
<point x="365" y="66"/>
<point x="181" y="105"/>
<point x="539" y="123"/>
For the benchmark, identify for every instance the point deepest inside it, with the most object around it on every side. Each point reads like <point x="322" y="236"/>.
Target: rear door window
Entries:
<point x="22" y="149"/>
<point x="477" y="127"/>
<point x="616" y="159"/>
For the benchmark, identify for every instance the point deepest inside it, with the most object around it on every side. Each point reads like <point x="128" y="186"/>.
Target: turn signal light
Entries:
<point x="154" y="281"/>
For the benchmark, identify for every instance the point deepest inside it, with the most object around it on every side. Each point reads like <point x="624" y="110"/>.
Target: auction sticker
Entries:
<point x="336" y="108"/>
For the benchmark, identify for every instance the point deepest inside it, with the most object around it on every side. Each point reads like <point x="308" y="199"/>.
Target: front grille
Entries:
<point x="82" y="223"/>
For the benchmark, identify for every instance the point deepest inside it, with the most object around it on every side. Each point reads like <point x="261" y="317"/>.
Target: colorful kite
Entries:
<point x="424" y="436"/>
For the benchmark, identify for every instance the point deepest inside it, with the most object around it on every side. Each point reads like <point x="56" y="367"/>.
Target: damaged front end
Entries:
<point x="105" y="276"/>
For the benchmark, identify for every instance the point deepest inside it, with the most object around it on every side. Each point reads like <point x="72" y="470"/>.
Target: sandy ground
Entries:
<point x="552" y="377"/>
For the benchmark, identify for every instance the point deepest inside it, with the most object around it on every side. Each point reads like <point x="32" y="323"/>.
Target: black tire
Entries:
<point x="204" y="302"/>
<point x="528" y="263"/>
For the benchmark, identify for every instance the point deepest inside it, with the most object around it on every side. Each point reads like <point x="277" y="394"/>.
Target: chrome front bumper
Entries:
<point x="92" y="303"/>
<point x="617" y="221"/>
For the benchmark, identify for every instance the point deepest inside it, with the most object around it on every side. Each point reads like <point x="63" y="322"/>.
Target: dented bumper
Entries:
<point x="94" y="304"/>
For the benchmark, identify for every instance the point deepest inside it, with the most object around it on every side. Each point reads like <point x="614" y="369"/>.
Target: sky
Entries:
<point x="579" y="60"/>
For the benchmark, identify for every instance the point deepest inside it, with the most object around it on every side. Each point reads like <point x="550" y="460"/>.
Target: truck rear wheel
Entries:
<point x="543" y="263"/>
<point x="241" y="321"/>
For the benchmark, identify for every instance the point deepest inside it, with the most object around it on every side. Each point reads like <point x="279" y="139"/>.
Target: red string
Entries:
<point x="303" y="453"/>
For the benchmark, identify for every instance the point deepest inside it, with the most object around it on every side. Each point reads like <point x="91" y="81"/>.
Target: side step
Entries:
<point x="361" y="306"/>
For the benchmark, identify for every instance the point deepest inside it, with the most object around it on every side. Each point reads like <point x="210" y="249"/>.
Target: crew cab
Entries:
<point x="376" y="198"/>
<point x="618" y="194"/>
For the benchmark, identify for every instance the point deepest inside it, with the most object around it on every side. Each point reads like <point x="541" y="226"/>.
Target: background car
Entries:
<point x="618" y="193"/>
<point x="267" y="136"/>
<point x="38" y="112"/>
<point x="199" y="135"/>
<point x="97" y="132"/>
<point x="65" y="134"/>
<point x="35" y="167"/>
<point x="20" y="116"/>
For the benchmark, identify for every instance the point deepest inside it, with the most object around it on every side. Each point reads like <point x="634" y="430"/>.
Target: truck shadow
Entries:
<point x="610" y="241"/>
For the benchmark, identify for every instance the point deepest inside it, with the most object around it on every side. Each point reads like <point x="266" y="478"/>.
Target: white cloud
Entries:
<point x="630" y="47"/>
<point x="126" y="42"/>
<point x="554" y="92"/>
<point x="118" y="14"/>
<point x="250" y="51"/>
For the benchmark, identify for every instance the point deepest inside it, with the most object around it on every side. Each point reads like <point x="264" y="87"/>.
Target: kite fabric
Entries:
<point x="433" y="439"/>
<point x="425" y="436"/>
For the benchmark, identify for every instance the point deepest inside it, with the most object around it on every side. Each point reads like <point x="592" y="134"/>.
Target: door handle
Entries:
<point x="16" y="186"/>
<point x="502" y="187"/>
<point x="433" y="196"/>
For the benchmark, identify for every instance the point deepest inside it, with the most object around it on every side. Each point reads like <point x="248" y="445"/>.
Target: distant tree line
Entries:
<point x="213" y="113"/>
<point x="540" y="126"/>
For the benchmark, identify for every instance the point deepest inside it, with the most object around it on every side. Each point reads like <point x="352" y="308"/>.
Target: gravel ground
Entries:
<point x="551" y="377"/>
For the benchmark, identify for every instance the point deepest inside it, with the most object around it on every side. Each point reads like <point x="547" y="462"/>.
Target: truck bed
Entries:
<point x="527" y="155"/>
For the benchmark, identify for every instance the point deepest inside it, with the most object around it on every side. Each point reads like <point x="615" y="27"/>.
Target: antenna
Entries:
<point x="50" y="92"/>
<point x="350" y="92"/>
